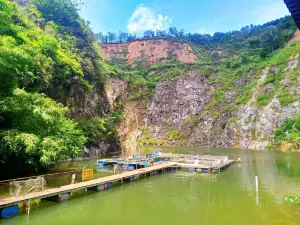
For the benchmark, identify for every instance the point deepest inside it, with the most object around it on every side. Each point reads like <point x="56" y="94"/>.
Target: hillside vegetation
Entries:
<point x="45" y="49"/>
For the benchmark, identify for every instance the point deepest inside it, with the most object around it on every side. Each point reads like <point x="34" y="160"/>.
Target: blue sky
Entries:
<point x="201" y="16"/>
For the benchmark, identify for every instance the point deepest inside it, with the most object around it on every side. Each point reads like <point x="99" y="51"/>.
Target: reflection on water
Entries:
<point x="189" y="198"/>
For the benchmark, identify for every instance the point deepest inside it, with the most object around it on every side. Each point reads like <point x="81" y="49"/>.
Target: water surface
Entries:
<point x="181" y="198"/>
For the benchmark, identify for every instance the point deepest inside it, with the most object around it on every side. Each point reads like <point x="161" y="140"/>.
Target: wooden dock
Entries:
<point x="83" y="185"/>
<point x="63" y="193"/>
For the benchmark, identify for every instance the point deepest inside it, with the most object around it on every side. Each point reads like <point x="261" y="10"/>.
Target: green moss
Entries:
<point x="294" y="75"/>
<point x="232" y="120"/>
<point x="255" y="118"/>
<point x="174" y="135"/>
<point x="192" y="121"/>
<point x="247" y="121"/>
<point x="253" y="135"/>
<point x="146" y="139"/>
<point x="264" y="99"/>
<point x="285" y="98"/>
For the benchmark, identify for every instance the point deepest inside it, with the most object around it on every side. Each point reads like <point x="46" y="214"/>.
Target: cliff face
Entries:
<point x="256" y="125"/>
<point x="178" y="112"/>
<point x="149" y="51"/>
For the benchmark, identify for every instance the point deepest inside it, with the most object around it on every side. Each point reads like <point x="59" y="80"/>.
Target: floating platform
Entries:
<point x="139" y="162"/>
<point x="206" y="164"/>
<point x="104" y="181"/>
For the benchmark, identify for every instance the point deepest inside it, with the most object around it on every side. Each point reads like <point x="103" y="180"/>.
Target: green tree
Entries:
<point x="149" y="34"/>
<point x="173" y="32"/>
<point x="111" y="37"/>
<point x="123" y="36"/>
<point x="269" y="38"/>
<point x="62" y="12"/>
<point x="35" y="132"/>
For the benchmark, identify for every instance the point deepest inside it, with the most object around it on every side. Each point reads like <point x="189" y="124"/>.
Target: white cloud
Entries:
<point x="145" y="18"/>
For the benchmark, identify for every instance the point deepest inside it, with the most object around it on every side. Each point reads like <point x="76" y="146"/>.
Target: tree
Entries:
<point x="99" y="36"/>
<point x="254" y="42"/>
<point x="161" y="34"/>
<point x="219" y="36"/>
<point x="62" y="12"/>
<point x="246" y="31"/>
<point x="35" y="132"/>
<point x="123" y="37"/>
<point x="181" y="33"/>
<point x="99" y="129"/>
<point x="269" y="38"/>
<point x="131" y="38"/>
<point x="111" y="37"/>
<point x="149" y="34"/>
<point x="173" y="32"/>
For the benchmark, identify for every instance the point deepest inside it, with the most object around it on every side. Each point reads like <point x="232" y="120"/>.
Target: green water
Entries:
<point x="181" y="198"/>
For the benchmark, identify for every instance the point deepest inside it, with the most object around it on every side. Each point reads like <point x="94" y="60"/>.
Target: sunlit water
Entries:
<point x="181" y="198"/>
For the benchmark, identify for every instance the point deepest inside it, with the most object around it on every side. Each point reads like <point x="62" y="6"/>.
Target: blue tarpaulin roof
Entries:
<point x="294" y="8"/>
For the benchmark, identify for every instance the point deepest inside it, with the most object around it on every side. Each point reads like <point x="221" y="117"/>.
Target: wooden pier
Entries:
<point x="208" y="164"/>
<point x="92" y="184"/>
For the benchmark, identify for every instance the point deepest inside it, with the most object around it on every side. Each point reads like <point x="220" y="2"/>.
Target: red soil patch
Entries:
<point x="149" y="51"/>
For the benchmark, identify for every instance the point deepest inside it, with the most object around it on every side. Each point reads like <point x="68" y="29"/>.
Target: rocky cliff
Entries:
<point x="149" y="51"/>
<point x="188" y="109"/>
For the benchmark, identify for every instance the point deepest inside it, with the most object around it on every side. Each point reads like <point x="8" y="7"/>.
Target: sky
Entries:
<point x="195" y="16"/>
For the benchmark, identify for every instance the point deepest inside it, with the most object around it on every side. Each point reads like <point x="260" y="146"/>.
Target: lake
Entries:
<point x="181" y="198"/>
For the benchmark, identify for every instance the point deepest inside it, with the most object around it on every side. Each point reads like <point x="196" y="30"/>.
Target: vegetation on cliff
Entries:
<point x="288" y="134"/>
<point x="45" y="48"/>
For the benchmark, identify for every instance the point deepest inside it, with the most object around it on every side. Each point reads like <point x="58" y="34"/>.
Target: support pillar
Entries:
<point x="59" y="198"/>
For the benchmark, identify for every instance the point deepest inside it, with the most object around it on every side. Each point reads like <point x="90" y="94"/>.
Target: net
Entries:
<point x="24" y="187"/>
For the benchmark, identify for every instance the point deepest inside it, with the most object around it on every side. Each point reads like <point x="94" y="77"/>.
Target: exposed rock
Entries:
<point x="293" y="63"/>
<point x="135" y="112"/>
<point x="273" y="69"/>
<point x="173" y="104"/>
<point x="116" y="90"/>
<point x="183" y="97"/>
<point x="87" y="104"/>
<point x="103" y="149"/>
<point x="177" y="115"/>
<point x="267" y="89"/>
<point x="149" y="51"/>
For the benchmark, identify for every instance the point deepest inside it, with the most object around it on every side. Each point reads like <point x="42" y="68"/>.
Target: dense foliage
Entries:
<point x="45" y="47"/>
<point x="35" y="132"/>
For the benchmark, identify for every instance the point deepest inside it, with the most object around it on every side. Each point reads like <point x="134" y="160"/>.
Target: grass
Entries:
<point x="264" y="99"/>
<point x="174" y="135"/>
<point x="285" y="98"/>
